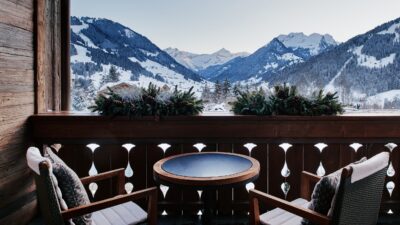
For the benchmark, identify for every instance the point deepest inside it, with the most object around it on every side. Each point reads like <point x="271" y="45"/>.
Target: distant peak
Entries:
<point x="329" y="39"/>
<point x="171" y="49"/>
<point x="223" y="51"/>
<point x="313" y="42"/>
<point x="275" y="42"/>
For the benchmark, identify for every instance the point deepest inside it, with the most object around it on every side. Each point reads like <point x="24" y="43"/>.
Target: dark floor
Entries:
<point x="185" y="220"/>
<point x="230" y="220"/>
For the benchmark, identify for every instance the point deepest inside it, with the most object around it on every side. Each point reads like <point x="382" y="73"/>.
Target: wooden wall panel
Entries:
<point x="49" y="54"/>
<point x="17" y="205"/>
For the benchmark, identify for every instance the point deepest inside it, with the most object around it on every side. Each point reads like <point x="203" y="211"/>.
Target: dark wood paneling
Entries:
<point x="17" y="198"/>
<point x="276" y="161"/>
<point x="293" y="129"/>
<point x="138" y="159"/>
<point x="190" y="195"/>
<point x="240" y="194"/>
<point x="174" y="194"/>
<point x="225" y="196"/>
<point x="260" y="152"/>
<point x="153" y="153"/>
<point x="229" y="134"/>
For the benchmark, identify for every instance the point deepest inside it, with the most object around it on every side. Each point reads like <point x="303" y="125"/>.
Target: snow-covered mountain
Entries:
<point x="99" y="44"/>
<point x="282" y="52"/>
<point x="363" y="69"/>
<point x="313" y="44"/>
<point x="197" y="62"/>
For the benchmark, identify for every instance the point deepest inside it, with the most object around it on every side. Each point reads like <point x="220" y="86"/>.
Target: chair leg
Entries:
<point x="254" y="211"/>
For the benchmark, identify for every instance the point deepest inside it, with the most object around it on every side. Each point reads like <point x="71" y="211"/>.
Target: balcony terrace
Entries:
<point x="35" y="92"/>
<point x="283" y="145"/>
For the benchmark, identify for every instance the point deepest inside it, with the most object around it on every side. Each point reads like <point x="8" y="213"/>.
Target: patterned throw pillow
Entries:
<point x="323" y="197"/>
<point x="71" y="187"/>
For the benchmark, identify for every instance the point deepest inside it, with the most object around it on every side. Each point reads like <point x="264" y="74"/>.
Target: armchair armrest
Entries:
<point x="285" y="205"/>
<point x="307" y="179"/>
<point x="151" y="193"/>
<point x="119" y="173"/>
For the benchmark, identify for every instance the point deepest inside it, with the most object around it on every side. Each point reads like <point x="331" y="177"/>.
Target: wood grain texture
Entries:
<point x="16" y="80"/>
<point x="17" y="199"/>
<point x="40" y="105"/>
<point x="17" y="13"/>
<point x="51" y="53"/>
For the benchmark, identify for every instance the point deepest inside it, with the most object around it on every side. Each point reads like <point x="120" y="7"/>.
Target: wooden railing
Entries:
<point x="284" y="147"/>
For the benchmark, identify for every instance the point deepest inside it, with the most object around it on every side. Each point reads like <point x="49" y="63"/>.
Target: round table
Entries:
<point x="206" y="171"/>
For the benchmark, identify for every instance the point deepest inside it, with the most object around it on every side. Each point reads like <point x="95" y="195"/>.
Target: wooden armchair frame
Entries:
<point x="306" y="180"/>
<point x="150" y="193"/>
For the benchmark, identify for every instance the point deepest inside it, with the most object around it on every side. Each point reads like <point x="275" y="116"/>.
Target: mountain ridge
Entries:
<point x="363" y="66"/>
<point x="99" y="44"/>
<point x="198" y="62"/>
<point x="271" y="58"/>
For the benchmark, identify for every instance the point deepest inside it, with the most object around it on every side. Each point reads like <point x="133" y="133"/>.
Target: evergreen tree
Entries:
<point x="83" y="94"/>
<point x="217" y="91"/>
<point x="226" y="88"/>
<point x="206" y="94"/>
<point x="247" y="88"/>
<point x="112" y="76"/>
<point x="236" y="89"/>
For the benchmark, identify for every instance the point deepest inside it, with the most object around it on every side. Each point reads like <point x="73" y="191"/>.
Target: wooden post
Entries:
<point x="52" y="78"/>
<point x="40" y="84"/>
<point x="65" y="56"/>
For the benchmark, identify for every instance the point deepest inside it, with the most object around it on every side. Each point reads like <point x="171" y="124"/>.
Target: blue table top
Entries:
<point x="206" y="165"/>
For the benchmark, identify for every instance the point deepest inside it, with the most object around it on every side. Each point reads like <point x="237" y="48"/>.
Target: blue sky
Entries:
<point x="205" y="26"/>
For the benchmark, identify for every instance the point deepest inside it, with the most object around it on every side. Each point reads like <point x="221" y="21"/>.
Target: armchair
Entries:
<point x="357" y="200"/>
<point x="128" y="212"/>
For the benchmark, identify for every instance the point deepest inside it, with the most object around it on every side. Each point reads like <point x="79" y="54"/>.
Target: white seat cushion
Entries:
<point x="125" y="214"/>
<point x="281" y="217"/>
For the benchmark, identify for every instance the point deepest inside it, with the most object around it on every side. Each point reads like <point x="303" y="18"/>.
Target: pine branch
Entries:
<point x="151" y="103"/>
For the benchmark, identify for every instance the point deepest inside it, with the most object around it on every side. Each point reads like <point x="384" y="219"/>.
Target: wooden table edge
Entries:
<point x="163" y="176"/>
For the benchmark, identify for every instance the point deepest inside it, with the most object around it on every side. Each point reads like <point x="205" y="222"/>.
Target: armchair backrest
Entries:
<point x="46" y="190"/>
<point x="360" y="192"/>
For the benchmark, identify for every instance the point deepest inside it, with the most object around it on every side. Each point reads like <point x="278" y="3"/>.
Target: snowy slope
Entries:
<point x="371" y="61"/>
<point x="365" y="69"/>
<point x="383" y="98"/>
<point x="197" y="62"/>
<point x="98" y="44"/>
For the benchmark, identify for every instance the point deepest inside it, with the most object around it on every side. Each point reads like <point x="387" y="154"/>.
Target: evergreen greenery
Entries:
<point x="151" y="101"/>
<point x="226" y="88"/>
<point x="112" y="76"/>
<point x="217" y="91"/>
<point x="251" y="103"/>
<point x="286" y="101"/>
